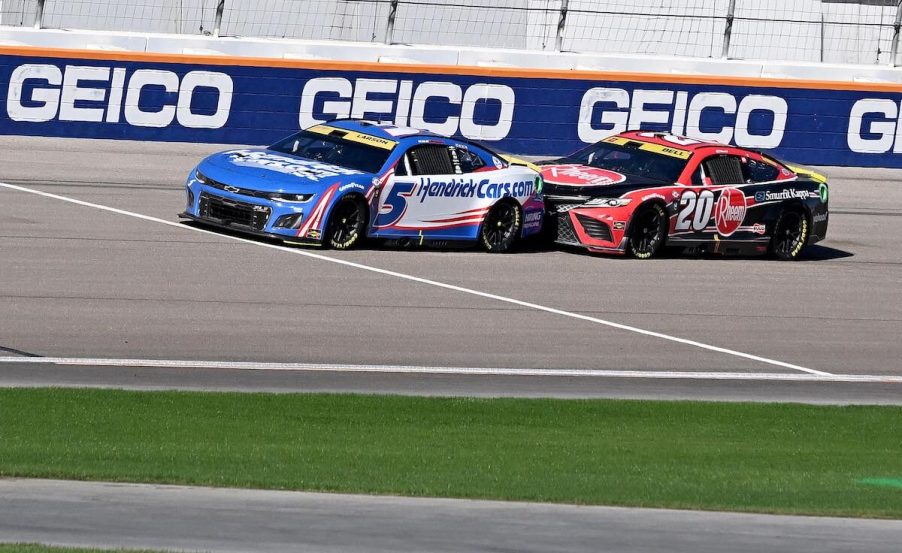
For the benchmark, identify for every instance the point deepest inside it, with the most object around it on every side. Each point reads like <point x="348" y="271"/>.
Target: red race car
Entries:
<point x="637" y="192"/>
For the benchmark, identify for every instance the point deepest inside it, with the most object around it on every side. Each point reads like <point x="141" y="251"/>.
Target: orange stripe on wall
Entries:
<point x="329" y="65"/>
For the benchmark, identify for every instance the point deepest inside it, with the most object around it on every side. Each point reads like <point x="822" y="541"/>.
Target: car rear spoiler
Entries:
<point x="799" y="169"/>
<point x="806" y="172"/>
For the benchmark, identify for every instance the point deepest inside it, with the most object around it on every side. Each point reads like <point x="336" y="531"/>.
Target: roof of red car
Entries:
<point x="671" y="140"/>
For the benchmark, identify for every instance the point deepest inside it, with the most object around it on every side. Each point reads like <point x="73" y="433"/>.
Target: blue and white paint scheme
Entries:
<point x="415" y="185"/>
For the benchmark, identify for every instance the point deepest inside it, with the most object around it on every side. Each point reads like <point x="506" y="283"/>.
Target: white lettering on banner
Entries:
<point x="428" y="90"/>
<point x="60" y="94"/>
<point x="607" y="111"/>
<point x="363" y="104"/>
<point x="884" y="124"/>
<point x="405" y="104"/>
<point x="72" y="92"/>
<point x="761" y="102"/>
<point x="116" y="88"/>
<point x="205" y="79"/>
<point x="340" y="108"/>
<point x="614" y="121"/>
<point x="143" y="78"/>
<point x="640" y="116"/>
<point x="710" y="100"/>
<point x="481" y="92"/>
<point x="48" y="98"/>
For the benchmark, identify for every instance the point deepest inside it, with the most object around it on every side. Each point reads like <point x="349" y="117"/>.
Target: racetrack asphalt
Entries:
<point x="86" y="291"/>
<point x="79" y="282"/>
<point x="224" y="520"/>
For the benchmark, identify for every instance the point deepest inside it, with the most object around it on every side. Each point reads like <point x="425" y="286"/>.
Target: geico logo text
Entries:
<point x="616" y="110"/>
<point x="874" y="126"/>
<point x="404" y="104"/>
<point x="42" y="92"/>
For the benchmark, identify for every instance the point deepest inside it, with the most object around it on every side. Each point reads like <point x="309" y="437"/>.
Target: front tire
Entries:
<point x="347" y="224"/>
<point x="791" y="233"/>
<point x="648" y="231"/>
<point x="501" y="228"/>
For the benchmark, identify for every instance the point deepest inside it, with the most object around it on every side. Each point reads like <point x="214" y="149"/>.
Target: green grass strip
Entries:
<point x="782" y="458"/>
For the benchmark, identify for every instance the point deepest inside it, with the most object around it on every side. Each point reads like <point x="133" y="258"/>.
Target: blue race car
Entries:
<point x="338" y="183"/>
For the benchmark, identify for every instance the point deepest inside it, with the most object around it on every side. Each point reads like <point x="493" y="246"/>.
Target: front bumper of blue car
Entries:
<point x="248" y="211"/>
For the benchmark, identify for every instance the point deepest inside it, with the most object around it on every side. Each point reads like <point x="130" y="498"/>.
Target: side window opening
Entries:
<point x="698" y="176"/>
<point x="431" y="159"/>
<point x="759" y="171"/>
<point x="724" y="169"/>
<point x="468" y="161"/>
<point x="402" y="167"/>
<point x="455" y="159"/>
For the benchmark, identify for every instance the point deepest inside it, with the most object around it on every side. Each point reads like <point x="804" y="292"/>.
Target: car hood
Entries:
<point x="582" y="180"/>
<point x="270" y="171"/>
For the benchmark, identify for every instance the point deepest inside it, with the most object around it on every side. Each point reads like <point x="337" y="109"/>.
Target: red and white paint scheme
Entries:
<point x="714" y="197"/>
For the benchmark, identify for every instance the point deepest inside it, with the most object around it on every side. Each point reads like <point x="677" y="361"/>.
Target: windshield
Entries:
<point x="333" y="150"/>
<point x="630" y="160"/>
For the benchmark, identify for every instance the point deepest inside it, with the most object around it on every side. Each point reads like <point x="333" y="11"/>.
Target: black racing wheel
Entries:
<point x="501" y="228"/>
<point x="347" y="224"/>
<point x="790" y="235"/>
<point x="648" y="231"/>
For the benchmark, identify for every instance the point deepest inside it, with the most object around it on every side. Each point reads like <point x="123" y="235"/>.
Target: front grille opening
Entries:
<point x="564" y="232"/>
<point x="595" y="228"/>
<point x="237" y="189"/>
<point x="292" y="221"/>
<point x="231" y="212"/>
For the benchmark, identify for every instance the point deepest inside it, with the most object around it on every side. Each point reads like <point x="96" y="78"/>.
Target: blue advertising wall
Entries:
<point x="145" y="97"/>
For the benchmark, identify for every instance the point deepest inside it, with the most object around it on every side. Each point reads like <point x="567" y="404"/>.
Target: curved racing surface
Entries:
<point x="102" y="286"/>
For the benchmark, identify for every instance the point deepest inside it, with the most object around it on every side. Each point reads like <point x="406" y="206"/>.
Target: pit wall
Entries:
<point x="226" y="99"/>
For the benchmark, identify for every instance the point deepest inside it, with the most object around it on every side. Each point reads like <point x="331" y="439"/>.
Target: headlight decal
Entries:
<point x="294" y="198"/>
<point x="201" y="178"/>
<point x="608" y="202"/>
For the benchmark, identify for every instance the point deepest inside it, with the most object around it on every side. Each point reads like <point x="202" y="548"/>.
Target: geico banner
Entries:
<point x="524" y="112"/>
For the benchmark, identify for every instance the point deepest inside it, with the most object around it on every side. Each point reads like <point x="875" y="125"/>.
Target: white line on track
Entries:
<point x="435" y="283"/>
<point x="457" y="371"/>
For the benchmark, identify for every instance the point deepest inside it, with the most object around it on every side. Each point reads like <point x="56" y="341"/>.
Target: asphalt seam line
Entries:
<point x="435" y="283"/>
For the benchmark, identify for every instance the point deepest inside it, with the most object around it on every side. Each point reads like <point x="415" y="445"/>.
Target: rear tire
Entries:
<point x="501" y="228"/>
<point x="347" y="224"/>
<point x="648" y="231"/>
<point x="791" y="233"/>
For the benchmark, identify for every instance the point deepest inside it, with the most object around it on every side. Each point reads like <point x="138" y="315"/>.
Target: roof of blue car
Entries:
<point x="382" y="130"/>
